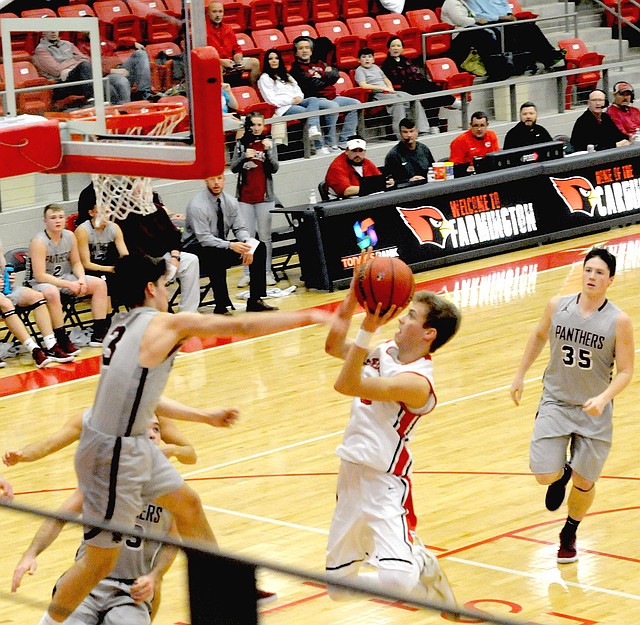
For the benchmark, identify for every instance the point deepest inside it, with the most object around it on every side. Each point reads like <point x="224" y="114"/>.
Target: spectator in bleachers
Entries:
<point x="100" y="244"/>
<point x="406" y="75"/>
<point x="624" y="116"/>
<point x="486" y="42"/>
<point x="223" y="38"/>
<point x="12" y="296"/>
<point x="408" y="160"/>
<point x="211" y="216"/>
<point x="54" y="267"/>
<point x="527" y="131"/>
<point x="255" y="160"/>
<point x="518" y="39"/>
<point x="595" y="127"/>
<point x="345" y="174"/>
<point x="369" y="76"/>
<point x="57" y="59"/>
<point x="317" y="79"/>
<point x="477" y="141"/>
<point x="279" y="88"/>
<point x="230" y="120"/>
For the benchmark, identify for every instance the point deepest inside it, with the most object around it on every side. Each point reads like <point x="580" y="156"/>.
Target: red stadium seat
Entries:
<point x="323" y="10"/>
<point x="520" y="13"/>
<point x="263" y="14"/>
<point x="248" y="47"/>
<point x="38" y="13"/>
<point x="118" y="24"/>
<point x="367" y="28"/>
<point x="422" y="19"/>
<point x="577" y="55"/>
<point x="397" y="24"/>
<point x="249" y="100"/>
<point x="162" y="75"/>
<point x="345" y="87"/>
<point x="300" y="30"/>
<point x="353" y="8"/>
<point x="159" y="26"/>
<point x="274" y="38"/>
<point x="294" y="12"/>
<point x="34" y="102"/>
<point x="445" y="74"/>
<point x="22" y="44"/>
<point x="76" y="10"/>
<point x="438" y="45"/>
<point x="628" y="10"/>
<point x="346" y="44"/>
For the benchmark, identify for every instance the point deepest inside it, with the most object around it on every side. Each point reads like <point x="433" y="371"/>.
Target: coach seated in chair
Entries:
<point x="211" y="215"/>
<point x="408" y="161"/>
<point x="527" y="131"/>
<point x="351" y="173"/>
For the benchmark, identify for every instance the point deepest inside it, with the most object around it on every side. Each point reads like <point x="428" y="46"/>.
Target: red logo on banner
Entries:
<point x="578" y="194"/>
<point x="427" y="223"/>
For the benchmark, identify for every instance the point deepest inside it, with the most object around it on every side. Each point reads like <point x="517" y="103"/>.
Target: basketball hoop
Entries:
<point x="118" y="196"/>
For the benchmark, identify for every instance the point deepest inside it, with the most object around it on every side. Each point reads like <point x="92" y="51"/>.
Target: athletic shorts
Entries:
<point x="549" y="444"/>
<point x="14" y="296"/>
<point x="373" y="522"/>
<point x="110" y="603"/>
<point x="117" y="476"/>
<point x="42" y="286"/>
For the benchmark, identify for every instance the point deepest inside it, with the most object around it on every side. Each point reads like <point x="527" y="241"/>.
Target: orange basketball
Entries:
<point x="384" y="280"/>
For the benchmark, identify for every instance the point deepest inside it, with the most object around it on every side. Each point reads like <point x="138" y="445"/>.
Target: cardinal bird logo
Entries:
<point x="578" y="194"/>
<point x="428" y="224"/>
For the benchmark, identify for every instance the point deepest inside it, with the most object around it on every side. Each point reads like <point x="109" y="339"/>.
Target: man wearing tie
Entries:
<point x="210" y="216"/>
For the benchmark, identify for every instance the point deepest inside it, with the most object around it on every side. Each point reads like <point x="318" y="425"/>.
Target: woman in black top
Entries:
<point x="407" y="76"/>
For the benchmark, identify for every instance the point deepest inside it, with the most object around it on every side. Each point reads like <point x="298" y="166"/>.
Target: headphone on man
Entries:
<point x="624" y="82"/>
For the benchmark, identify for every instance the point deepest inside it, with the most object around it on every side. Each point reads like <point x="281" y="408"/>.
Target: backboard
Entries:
<point x="94" y="136"/>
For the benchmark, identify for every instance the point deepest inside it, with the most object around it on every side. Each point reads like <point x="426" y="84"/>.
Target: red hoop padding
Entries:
<point x="207" y="129"/>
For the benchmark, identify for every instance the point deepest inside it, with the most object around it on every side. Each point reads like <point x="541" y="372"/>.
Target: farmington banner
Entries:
<point x="447" y="222"/>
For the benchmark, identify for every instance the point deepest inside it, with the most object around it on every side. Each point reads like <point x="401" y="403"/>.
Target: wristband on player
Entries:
<point x="363" y="338"/>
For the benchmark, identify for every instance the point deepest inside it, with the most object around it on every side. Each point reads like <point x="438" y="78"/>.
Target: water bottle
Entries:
<point x="431" y="175"/>
<point x="8" y="270"/>
<point x="636" y="136"/>
<point x="313" y="199"/>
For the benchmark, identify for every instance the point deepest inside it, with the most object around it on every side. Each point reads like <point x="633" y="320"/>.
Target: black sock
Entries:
<point x="100" y="327"/>
<point x="570" y="528"/>
<point x="60" y="334"/>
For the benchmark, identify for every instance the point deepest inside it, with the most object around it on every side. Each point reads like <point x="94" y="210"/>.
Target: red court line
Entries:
<point x="39" y="378"/>
<point x="591" y="551"/>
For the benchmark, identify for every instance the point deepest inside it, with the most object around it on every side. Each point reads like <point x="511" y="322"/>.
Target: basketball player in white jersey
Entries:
<point x="118" y="466"/>
<point x="392" y="387"/>
<point x="587" y="334"/>
<point x="53" y="266"/>
<point x="131" y="592"/>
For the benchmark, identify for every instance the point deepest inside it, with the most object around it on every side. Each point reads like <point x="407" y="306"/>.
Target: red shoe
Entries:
<point x="567" y="551"/>
<point x="40" y="357"/>
<point x="57" y="354"/>
<point x="67" y="346"/>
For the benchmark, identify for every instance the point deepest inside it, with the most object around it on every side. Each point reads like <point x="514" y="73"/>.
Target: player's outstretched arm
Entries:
<point x="46" y="534"/>
<point x="67" y="434"/>
<point x="166" y="330"/>
<point x="218" y="417"/>
<point x="337" y="344"/>
<point x="535" y="345"/>
<point x="176" y="443"/>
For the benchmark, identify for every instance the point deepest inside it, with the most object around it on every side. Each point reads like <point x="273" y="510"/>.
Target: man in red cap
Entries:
<point x="624" y="116"/>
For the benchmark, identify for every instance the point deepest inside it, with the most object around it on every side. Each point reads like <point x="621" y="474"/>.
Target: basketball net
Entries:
<point x="119" y="196"/>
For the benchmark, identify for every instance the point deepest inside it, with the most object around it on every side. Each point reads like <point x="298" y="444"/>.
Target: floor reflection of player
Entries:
<point x="118" y="467"/>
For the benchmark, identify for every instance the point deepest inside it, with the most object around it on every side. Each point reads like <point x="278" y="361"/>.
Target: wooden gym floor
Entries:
<point x="268" y="484"/>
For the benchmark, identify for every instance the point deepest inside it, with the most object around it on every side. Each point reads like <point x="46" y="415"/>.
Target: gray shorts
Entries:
<point x="548" y="448"/>
<point x="117" y="475"/>
<point x="110" y="603"/>
<point x="14" y="296"/>
<point x="43" y="286"/>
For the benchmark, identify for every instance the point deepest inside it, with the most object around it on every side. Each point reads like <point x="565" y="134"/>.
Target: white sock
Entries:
<point x="30" y="344"/>
<point x="49" y="340"/>
<point x="47" y="620"/>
